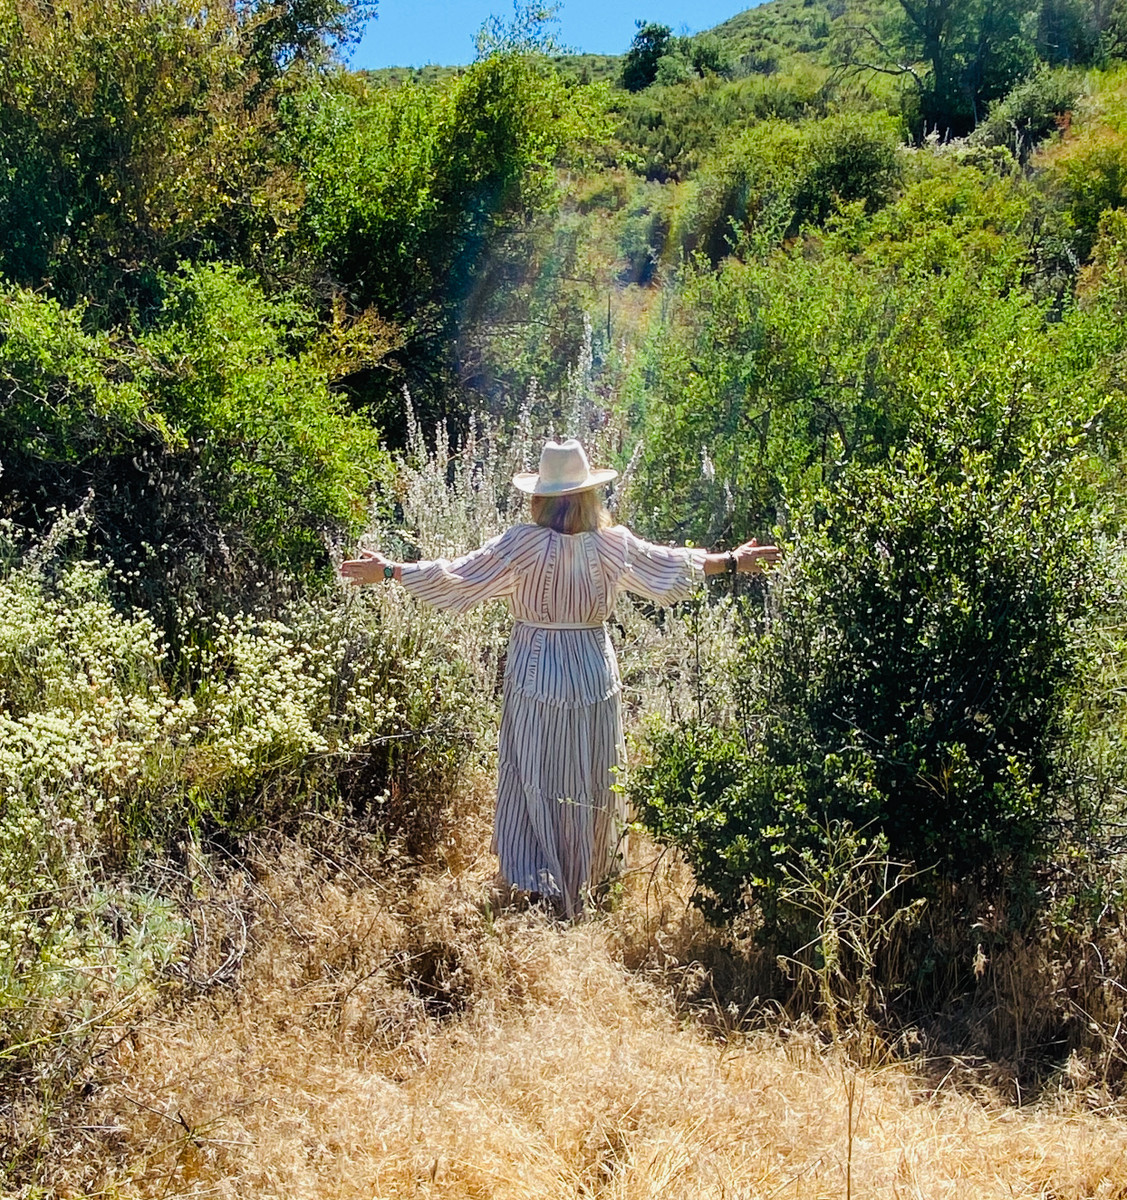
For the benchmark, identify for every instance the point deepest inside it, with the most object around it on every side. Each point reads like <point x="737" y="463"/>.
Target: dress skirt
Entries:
<point x="560" y="820"/>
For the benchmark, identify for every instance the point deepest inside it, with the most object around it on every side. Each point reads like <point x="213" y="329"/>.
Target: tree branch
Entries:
<point x="897" y="68"/>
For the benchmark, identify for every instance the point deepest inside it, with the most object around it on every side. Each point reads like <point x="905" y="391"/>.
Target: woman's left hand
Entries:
<point x="368" y="568"/>
<point x="751" y="556"/>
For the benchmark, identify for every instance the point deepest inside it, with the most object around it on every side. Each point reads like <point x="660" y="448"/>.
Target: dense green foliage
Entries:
<point x="205" y="437"/>
<point x="905" y="383"/>
<point x="786" y="176"/>
<point x="780" y="372"/>
<point x="199" y="405"/>
<point x="406" y="187"/>
<point x="919" y="667"/>
<point x="1024" y="117"/>
<point x="914" y="682"/>
<point x="133" y="137"/>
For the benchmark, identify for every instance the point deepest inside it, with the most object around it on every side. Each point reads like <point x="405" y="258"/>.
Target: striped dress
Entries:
<point x="559" y="818"/>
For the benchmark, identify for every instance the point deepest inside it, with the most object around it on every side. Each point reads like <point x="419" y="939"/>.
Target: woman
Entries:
<point x="559" y="817"/>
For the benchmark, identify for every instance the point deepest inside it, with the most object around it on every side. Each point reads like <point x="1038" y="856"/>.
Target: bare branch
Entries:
<point x="897" y="70"/>
<point x="893" y="68"/>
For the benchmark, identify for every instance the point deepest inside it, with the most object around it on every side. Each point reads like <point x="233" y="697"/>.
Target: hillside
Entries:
<point x="781" y="33"/>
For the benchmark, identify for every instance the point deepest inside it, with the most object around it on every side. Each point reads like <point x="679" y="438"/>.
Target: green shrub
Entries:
<point x="283" y="459"/>
<point x="851" y="158"/>
<point x="670" y="132"/>
<point x="957" y="214"/>
<point x="115" y="745"/>
<point x="914" y="681"/>
<point x="211" y="436"/>
<point x="1089" y="171"/>
<point x="786" y="176"/>
<point x="768" y="375"/>
<point x="673" y="69"/>
<point x="1025" y="117"/>
<point x="708" y="55"/>
<point x="755" y="182"/>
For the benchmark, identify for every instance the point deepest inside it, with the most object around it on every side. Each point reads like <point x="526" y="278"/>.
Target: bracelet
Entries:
<point x="732" y="563"/>
<point x="388" y="571"/>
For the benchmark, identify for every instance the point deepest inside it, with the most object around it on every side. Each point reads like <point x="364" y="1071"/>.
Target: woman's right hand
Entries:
<point x="368" y="568"/>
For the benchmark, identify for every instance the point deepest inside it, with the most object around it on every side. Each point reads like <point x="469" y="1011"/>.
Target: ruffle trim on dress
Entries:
<point x="514" y="689"/>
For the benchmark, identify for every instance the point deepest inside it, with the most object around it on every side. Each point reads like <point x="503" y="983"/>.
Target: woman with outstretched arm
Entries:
<point x="559" y="818"/>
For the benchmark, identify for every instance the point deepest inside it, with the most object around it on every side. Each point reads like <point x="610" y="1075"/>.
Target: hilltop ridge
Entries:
<point x="753" y="39"/>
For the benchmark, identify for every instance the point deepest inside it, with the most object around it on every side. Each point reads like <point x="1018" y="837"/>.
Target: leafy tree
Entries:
<point x="1113" y="31"/>
<point x="135" y="136"/>
<point x="651" y="44"/>
<point x="407" y="188"/>
<point x="529" y="32"/>
<point x="972" y="53"/>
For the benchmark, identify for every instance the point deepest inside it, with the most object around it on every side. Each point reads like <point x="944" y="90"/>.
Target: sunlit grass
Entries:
<point x="391" y="1039"/>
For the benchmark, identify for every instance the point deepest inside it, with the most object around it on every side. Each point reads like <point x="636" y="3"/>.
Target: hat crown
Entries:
<point x="564" y="470"/>
<point x="563" y="464"/>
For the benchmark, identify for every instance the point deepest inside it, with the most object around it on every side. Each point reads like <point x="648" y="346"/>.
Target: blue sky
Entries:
<point x="412" y="33"/>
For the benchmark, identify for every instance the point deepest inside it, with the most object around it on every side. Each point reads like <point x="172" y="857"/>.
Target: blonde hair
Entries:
<point x="577" y="512"/>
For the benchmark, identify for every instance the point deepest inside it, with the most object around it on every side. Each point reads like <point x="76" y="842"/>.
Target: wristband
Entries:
<point x="388" y="571"/>
<point x="732" y="563"/>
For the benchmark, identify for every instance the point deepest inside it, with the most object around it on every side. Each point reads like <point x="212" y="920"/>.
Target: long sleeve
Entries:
<point x="460" y="583"/>
<point x="664" y="574"/>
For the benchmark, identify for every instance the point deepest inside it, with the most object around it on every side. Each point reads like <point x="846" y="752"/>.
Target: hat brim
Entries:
<point x="531" y="483"/>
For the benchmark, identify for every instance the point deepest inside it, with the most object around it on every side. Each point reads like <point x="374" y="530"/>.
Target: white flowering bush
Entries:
<point x="82" y="710"/>
<point x="114" y="751"/>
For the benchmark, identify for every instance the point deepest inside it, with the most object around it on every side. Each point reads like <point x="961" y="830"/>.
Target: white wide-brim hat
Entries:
<point x="563" y="470"/>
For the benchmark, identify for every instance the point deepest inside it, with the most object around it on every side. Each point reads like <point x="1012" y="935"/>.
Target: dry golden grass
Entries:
<point x="389" y="1039"/>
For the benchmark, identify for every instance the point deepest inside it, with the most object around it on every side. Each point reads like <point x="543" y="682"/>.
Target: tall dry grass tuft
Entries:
<point x="392" y="1037"/>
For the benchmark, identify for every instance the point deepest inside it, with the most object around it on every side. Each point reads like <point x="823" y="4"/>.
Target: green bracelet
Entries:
<point x="388" y="571"/>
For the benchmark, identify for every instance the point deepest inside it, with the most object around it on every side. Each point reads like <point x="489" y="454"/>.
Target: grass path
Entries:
<point x="386" y="1040"/>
